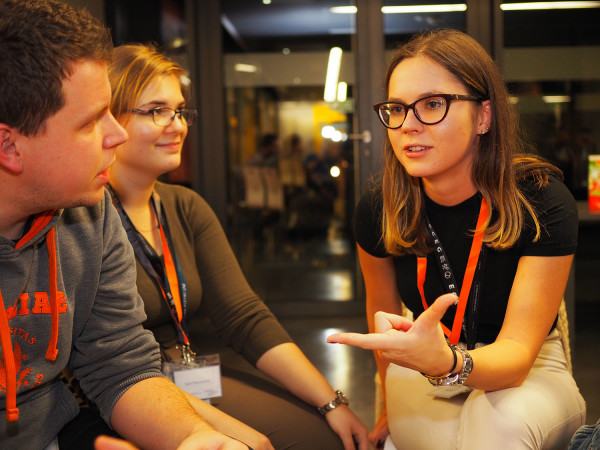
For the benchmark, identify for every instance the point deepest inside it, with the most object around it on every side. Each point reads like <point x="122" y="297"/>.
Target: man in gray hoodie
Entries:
<point x="67" y="273"/>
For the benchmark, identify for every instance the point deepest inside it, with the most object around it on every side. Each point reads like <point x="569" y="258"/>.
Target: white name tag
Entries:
<point x="201" y="382"/>
<point x="200" y="376"/>
<point x="449" y="391"/>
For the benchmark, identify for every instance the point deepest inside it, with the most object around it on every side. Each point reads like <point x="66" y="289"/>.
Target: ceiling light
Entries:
<point x="556" y="98"/>
<point x="248" y="68"/>
<point x="548" y="5"/>
<point x="411" y="9"/>
<point x="343" y="9"/>
<point x="342" y="91"/>
<point x="408" y="9"/>
<point x="333" y="72"/>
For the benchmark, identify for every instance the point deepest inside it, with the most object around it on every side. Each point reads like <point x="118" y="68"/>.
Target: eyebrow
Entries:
<point x="422" y="95"/>
<point x="94" y="116"/>
<point x="158" y="104"/>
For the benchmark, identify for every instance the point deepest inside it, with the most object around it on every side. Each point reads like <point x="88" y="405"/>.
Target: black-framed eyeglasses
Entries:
<point x="429" y="110"/>
<point x="164" y="116"/>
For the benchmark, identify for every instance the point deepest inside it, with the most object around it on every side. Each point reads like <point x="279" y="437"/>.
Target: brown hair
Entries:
<point x="497" y="165"/>
<point x="40" y="42"/>
<point x="133" y="67"/>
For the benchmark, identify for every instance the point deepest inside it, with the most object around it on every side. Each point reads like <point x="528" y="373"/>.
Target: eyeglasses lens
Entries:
<point x="165" y="116"/>
<point x="392" y="114"/>
<point x="431" y="110"/>
<point x="428" y="110"/>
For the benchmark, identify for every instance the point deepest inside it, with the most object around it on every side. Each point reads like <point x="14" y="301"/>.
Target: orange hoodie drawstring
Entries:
<point x="12" y="412"/>
<point x="52" y="351"/>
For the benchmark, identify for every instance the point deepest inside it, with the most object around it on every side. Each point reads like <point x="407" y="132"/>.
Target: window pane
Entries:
<point x="552" y="66"/>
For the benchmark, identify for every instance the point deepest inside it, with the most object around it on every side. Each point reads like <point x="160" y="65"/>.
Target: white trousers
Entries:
<point x="543" y="413"/>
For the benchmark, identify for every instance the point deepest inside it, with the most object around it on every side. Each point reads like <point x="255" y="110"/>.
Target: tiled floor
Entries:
<point x="327" y="281"/>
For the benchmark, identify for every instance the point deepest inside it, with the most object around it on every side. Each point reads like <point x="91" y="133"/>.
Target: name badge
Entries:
<point x="449" y="391"/>
<point x="200" y="376"/>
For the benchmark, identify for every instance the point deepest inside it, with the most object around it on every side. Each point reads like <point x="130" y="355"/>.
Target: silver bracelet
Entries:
<point x="467" y="366"/>
<point x="458" y="378"/>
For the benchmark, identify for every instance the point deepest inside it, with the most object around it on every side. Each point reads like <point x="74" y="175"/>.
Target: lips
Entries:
<point x="172" y="146"/>
<point x="104" y="176"/>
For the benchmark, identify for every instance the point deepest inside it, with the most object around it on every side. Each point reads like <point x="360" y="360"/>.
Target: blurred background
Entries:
<point x="287" y="138"/>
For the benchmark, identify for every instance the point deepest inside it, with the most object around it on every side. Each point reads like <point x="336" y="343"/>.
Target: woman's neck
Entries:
<point x="449" y="194"/>
<point x="135" y="195"/>
<point x="134" y="190"/>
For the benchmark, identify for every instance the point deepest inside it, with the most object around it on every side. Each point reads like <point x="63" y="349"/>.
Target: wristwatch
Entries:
<point x="341" y="399"/>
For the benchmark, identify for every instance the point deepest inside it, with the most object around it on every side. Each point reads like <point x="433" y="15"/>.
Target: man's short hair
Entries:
<point x="40" y="41"/>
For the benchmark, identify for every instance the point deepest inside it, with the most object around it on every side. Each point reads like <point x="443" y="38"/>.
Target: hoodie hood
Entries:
<point x="42" y="229"/>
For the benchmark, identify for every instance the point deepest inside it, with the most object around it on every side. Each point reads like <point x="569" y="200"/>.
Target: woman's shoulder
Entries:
<point x="178" y="192"/>
<point x="556" y="211"/>
<point x="183" y="199"/>
<point x="552" y="192"/>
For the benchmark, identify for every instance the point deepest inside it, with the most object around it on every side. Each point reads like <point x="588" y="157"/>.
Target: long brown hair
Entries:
<point x="498" y="164"/>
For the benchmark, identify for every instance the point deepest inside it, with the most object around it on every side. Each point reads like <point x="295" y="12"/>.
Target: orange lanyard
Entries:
<point x="174" y="288"/>
<point x="172" y="279"/>
<point x="465" y="290"/>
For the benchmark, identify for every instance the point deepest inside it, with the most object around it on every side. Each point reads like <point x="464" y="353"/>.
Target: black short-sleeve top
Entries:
<point x="557" y="213"/>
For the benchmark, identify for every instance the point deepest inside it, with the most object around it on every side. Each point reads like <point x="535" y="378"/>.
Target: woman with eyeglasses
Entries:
<point x="184" y="263"/>
<point x="476" y="238"/>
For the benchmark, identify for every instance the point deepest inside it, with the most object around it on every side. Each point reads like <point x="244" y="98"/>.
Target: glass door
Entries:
<point x="290" y="149"/>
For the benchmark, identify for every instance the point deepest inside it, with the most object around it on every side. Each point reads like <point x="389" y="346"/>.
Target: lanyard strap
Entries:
<point x="166" y="272"/>
<point x="474" y="262"/>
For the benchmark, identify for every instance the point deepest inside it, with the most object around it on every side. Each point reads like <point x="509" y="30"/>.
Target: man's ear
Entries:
<point x="10" y="156"/>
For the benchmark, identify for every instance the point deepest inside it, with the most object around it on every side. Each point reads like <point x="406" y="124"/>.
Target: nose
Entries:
<point x="411" y="121"/>
<point x="177" y="125"/>
<point x="115" y="135"/>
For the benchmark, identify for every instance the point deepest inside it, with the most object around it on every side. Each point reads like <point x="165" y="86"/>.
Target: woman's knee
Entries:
<point x="527" y="418"/>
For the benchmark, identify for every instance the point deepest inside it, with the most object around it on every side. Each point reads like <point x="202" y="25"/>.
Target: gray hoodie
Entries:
<point x="69" y="294"/>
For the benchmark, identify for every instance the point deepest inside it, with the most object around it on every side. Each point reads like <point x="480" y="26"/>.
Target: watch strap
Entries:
<point x="340" y="399"/>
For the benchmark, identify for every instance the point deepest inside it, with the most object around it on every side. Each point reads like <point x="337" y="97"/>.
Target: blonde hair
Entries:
<point x="498" y="164"/>
<point x="132" y="68"/>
